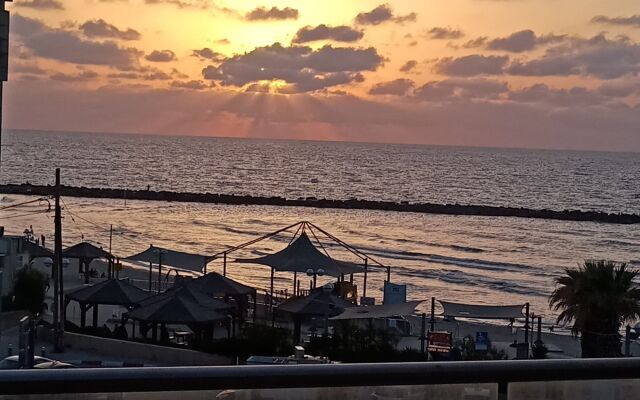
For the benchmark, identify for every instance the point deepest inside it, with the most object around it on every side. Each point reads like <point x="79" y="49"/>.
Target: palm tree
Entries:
<point x="598" y="297"/>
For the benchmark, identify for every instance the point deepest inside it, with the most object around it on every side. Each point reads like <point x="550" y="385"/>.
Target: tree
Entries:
<point x="597" y="297"/>
<point x="29" y="290"/>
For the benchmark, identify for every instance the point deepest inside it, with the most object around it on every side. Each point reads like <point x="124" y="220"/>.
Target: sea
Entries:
<point x="468" y="259"/>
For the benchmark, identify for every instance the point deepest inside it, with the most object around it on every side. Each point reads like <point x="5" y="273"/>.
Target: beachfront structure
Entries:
<point x="16" y="252"/>
<point x="222" y="287"/>
<point x="303" y="256"/>
<point x="109" y="292"/>
<point x="169" y="258"/>
<point x="85" y="253"/>
<point x="320" y="302"/>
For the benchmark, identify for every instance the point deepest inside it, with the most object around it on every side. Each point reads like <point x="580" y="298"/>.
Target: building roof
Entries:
<point x="85" y="250"/>
<point x="301" y="255"/>
<point x="34" y="250"/>
<point x="214" y="284"/>
<point x="175" y="310"/>
<point x="111" y="292"/>
<point x="193" y="296"/>
<point x="318" y="302"/>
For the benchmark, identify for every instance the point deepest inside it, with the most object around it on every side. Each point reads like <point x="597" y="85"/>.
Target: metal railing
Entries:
<point x="314" y="376"/>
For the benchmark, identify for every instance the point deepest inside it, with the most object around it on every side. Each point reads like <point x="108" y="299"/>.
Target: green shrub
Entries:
<point x="29" y="290"/>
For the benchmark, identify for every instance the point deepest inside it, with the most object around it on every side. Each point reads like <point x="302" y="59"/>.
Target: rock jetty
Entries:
<point x="356" y="204"/>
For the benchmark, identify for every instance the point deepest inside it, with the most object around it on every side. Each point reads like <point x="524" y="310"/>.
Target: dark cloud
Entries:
<point x="598" y="56"/>
<point x="409" y="66"/>
<point x="397" y="87"/>
<point x="471" y="65"/>
<point x="383" y="13"/>
<point x="302" y="68"/>
<point x="192" y="85"/>
<point x="633" y="20"/>
<point x="100" y="28"/>
<point x="67" y="46"/>
<point x="208" y="54"/>
<point x="26" y="68"/>
<point x="41" y="4"/>
<point x="161" y="56"/>
<point x="82" y="76"/>
<point x="525" y="40"/>
<point x="541" y="93"/>
<point x="444" y="33"/>
<point x="341" y="33"/>
<point x="461" y="89"/>
<point x="273" y="13"/>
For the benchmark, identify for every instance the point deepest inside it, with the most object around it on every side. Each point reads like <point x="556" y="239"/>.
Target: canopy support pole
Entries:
<point x="432" y="321"/>
<point x="224" y="265"/>
<point x="150" y="275"/>
<point x="159" y="272"/>
<point x="271" y="292"/>
<point x="364" y="284"/>
<point x="95" y="315"/>
<point x="526" y="324"/>
<point x="295" y="280"/>
<point x="255" y="305"/>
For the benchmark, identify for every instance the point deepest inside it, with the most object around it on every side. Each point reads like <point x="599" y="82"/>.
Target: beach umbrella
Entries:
<point x="191" y="295"/>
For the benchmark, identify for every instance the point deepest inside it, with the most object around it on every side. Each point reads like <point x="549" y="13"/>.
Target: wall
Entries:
<point x="161" y="355"/>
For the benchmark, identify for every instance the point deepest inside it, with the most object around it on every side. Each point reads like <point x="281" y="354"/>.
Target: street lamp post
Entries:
<point x="315" y="274"/>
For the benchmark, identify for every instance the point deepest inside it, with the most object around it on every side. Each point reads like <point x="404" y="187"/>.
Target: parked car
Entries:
<point x="54" y="364"/>
<point x="11" y="362"/>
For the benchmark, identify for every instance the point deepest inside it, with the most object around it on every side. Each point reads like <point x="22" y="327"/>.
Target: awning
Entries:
<point x="193" y="296"/>
<point x="481" y="311"/>
<point x="300" y="256"/>
<point x="171" y="258"/>
<point x="379" y="311"/>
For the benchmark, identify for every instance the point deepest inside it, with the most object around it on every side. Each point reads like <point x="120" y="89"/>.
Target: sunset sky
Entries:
<point x="508" y="73"/>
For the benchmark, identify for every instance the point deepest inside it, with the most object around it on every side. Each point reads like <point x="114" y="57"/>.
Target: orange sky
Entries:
<point x="550" y="73"/>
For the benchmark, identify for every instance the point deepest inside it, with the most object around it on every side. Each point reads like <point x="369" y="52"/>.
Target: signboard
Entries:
<point x="439" y="342"/>
<point x="482" y="341"/>
<point x="394" y="293"/>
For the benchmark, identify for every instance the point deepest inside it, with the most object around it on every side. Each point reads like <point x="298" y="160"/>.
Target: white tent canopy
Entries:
<point x="171" y="258"/>
<point x="481" y="311"/>
<point x="379" y="311"/>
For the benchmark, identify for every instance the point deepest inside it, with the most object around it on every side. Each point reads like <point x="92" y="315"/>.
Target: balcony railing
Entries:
<point x="528" y="379"/>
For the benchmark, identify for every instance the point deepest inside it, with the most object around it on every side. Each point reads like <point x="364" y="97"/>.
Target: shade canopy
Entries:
<point x="378" y="311"/>
<point x="192" y="295"/>
<point x="301" y="255"/>
<point x="318" y="303"/>
<point x="217" y="285"/>
<point x="171" y="258"/>
<point x="110" y="292"/>
<point x="481" y="311"/>
<point x="176" y="310"/>
<point x="85" y="250"/>
<point x="35" y="251"/>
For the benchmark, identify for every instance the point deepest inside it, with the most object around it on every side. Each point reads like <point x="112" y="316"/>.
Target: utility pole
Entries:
<point x="58" y="287"/>
<point x="110" y="268"/>
<point x="4" y="61"/>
